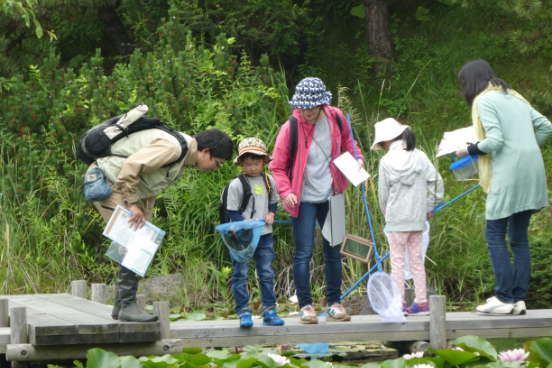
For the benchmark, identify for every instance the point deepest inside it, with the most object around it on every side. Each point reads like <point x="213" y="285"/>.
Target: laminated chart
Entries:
<point x="133" y="249"/>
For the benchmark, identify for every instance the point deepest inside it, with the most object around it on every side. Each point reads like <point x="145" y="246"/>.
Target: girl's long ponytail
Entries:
<point x="410" y="139"/>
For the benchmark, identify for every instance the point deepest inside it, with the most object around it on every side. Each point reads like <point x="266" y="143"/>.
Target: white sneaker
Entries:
<point x="495" y="306"/>
<point x="519" y="308"/>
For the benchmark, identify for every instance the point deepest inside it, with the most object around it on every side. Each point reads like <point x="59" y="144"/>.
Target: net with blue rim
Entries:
<point x="241" y="238"/>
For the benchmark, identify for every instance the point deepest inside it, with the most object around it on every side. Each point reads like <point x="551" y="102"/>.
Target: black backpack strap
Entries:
<point x="292" y="146"/>
<point x="339" y="123"/>
<point x="247" y="195"/>
<point x="268" y="187"/>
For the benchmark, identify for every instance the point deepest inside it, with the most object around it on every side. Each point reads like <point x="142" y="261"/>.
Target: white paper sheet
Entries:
<point x="349" y="167"/>
<point x="451" y="140"/>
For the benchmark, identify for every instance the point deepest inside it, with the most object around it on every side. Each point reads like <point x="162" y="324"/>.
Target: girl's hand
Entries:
<point x="291" y="200"/>
<point x="462" y="150"/>
<point x="430" y="215"/>
<point x="269" y="218"/>
<point x="360" y="164"/>
<point x="138" y="220"/>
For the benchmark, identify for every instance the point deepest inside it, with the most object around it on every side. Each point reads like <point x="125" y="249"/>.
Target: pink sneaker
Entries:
<point x="307" y="315"/>
<point x="336" y="313"/>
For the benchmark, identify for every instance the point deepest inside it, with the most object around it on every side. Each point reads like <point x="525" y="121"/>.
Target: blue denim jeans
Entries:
<point x="264" y="255"/>
<point x="511" y="281"/>
<point x="303" y="233"/>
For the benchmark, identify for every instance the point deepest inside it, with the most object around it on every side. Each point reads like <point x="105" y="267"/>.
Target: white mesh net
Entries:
<point x="385" y="297"/>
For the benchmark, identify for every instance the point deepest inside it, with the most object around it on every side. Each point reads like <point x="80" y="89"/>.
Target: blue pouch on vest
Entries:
<point x="96" y="186"/>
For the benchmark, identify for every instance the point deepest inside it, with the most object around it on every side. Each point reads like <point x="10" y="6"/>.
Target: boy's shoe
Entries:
<point x="495" y="306"/>
<point x="272" y="319"/>
<point x="336" y="313"/>
<point x="519" y="308"/>
<point x="418" y="309"/>
<point x="307" y="315"/>
<point x="246" y="321"/>
<point x="404" y="311"/>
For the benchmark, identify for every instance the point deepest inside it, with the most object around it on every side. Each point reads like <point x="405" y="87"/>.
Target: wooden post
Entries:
<point x="141" y="301"/>
<point x="99" y="293"/>
<point x="437" y="322"/>
<point x="78" y="288"/>
<point x="4" y="313"/>
<point x="163" y="311"/>
<point x="409" y="297"/>
<point x="18" y="330"/>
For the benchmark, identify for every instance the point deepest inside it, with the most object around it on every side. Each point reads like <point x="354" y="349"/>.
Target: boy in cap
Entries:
<point x="263" y="203"/>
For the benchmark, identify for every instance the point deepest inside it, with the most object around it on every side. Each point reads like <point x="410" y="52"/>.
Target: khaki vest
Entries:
<point x="151" y="184"/>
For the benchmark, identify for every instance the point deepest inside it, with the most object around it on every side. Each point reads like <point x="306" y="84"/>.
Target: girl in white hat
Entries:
<point x="405" y="177"/>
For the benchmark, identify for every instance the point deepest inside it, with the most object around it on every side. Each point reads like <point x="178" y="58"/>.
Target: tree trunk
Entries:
<point x="378" y="29"/>
<point x="116" y="29"/>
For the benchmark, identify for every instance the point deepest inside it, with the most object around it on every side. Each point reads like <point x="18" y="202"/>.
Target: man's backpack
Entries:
<point x="95" y="143"/>
<point x="293" y="142"/>
<point x="247" y="195"/>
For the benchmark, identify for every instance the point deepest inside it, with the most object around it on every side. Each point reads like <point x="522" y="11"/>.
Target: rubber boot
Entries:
<point x="117" y="306"/>
<point x="127" y="285"/>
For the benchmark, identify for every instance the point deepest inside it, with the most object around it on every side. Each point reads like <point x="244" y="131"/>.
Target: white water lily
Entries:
<point x="457" y="348"/>
<point x="279" y="359"/>
<point x="417" y="354"/>
<point x="516" y="355"/>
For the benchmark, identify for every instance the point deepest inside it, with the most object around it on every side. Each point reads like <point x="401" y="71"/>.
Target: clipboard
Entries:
<point x="334" y="229"/>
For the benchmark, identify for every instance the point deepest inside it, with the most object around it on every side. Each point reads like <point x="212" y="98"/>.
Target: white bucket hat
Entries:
<point x="387" y="130"/>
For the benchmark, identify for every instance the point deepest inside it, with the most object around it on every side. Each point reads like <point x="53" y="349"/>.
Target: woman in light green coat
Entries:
<point x="511" y="171"/>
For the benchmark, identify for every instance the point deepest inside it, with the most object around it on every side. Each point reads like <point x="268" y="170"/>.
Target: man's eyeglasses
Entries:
<point x="219" y="164"/>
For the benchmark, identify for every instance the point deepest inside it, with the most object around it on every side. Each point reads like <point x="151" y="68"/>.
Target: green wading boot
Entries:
<point x="127" y="286"/>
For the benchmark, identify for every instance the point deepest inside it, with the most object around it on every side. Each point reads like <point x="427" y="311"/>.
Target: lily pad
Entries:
<point x="196" y="316"/>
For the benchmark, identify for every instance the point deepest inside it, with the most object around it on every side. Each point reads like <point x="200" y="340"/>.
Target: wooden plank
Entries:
<point x="30" y="311"/>
<point x="139" y="332"/>
<point x="53" y="340"/>
<point x="163" y="311"/>
<point x="4" y="335"/>
<point x="139" y="336"/>
<point x="359" y="324"/>
<point x="86" y="323"/>
<point x="82" y="305"/>
<point x="47" y="325"/>
<point x="438" y="322"/>
<point x="70" y="352"/>
<point x="4" y="312"/>
<point x="18" y="325"/>
<point x="503" y="332"/>
<point x="99" y="293"/>
<point x="100" y="338"/>
<point x="78" y="289"/>
<point x="132" y="327"/>
<point x="18" y="330"/>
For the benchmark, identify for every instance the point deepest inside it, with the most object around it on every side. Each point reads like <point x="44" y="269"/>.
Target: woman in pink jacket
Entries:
<point x="307" y="181"/>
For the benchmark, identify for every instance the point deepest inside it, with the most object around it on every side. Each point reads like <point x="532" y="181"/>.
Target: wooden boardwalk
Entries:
<point x="64" y="326"/>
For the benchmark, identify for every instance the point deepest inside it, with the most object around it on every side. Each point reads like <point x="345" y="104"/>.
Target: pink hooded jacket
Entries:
<point x="342" y="141"/>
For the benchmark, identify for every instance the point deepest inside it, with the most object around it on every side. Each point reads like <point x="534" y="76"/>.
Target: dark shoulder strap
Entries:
<point x="267" y="183"/>
<point x="246" y="193"/>
<point x="339" y="123"/>
<point x="292" y="145"/>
